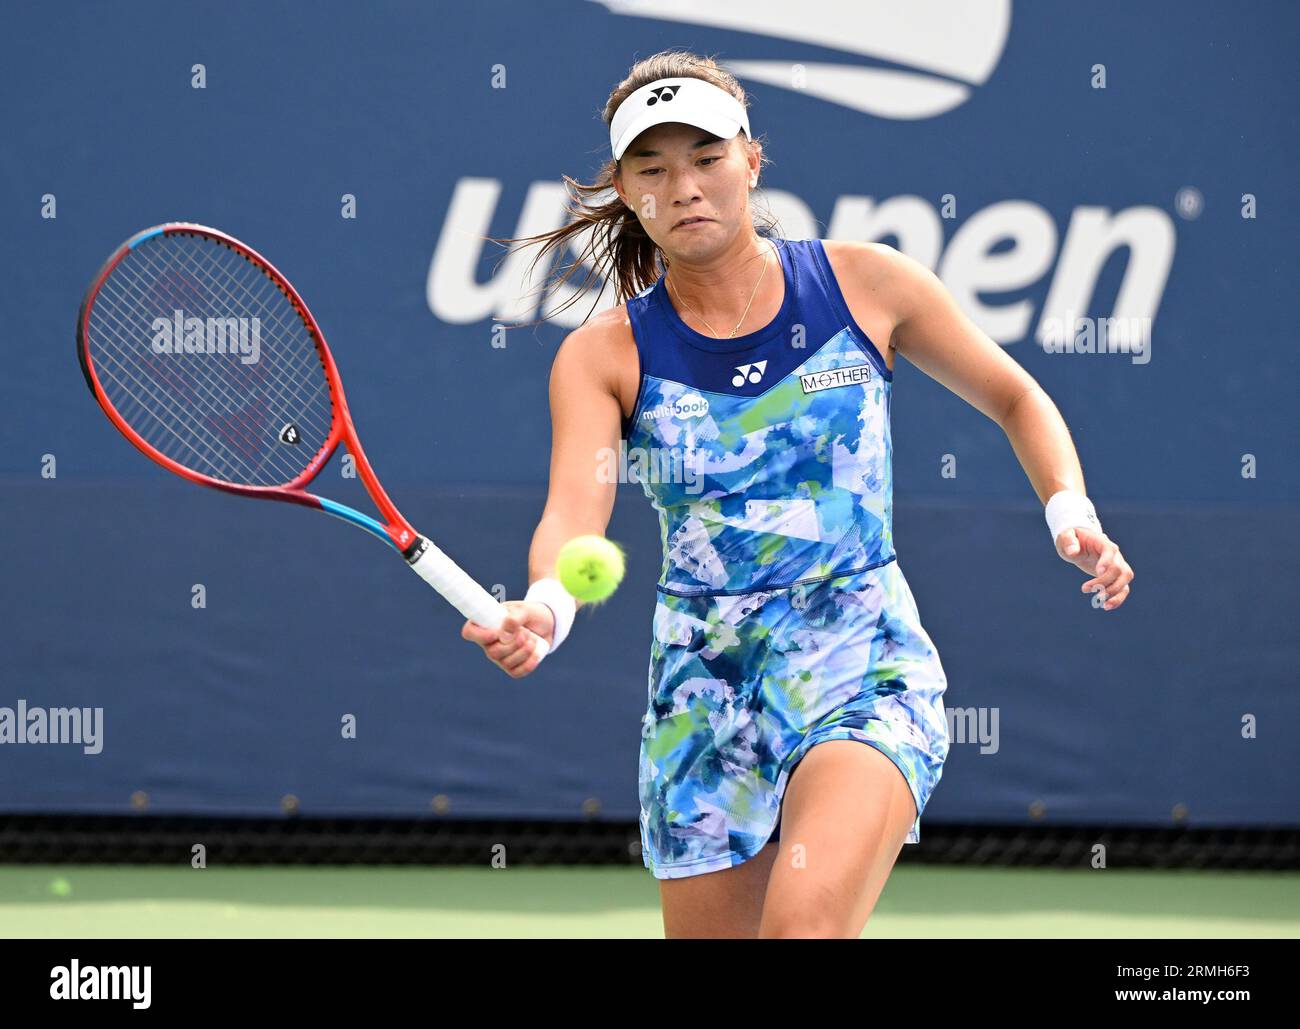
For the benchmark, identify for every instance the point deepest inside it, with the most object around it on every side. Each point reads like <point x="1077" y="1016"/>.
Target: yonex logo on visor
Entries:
<point x="663" y="93"/>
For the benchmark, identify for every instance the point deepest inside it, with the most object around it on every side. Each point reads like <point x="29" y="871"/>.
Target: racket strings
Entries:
<point x="305" y="363"/>
<point x="164" y="371"/>
<point x="192" y="451"/>
<point x="260" y="288"/>
<point x="215" y="413"/>
<point x="247" y="380"/>
<point x="263" y="288"/>
<point x="166" y="408"/>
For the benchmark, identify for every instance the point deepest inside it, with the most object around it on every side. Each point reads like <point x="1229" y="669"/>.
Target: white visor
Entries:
<point x="690" y="101"/>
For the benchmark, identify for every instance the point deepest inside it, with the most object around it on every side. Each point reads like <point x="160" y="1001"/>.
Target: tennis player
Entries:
<point x="750" y="379"/>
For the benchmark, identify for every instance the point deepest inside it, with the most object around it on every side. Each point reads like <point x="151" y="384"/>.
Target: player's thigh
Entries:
<point x="845" y="814"/>
<point x="723" y="904"/>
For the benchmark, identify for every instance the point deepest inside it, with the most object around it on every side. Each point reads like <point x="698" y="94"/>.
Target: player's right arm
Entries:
<point x="586" y="422"/>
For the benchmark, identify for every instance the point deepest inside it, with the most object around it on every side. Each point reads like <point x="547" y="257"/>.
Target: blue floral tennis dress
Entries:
<point x="782" y="618"/>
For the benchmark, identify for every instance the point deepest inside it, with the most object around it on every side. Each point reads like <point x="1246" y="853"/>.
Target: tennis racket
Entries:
<point x="206" y="358"/>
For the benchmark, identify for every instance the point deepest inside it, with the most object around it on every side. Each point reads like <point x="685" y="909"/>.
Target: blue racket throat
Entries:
<point x="354" y="517"/>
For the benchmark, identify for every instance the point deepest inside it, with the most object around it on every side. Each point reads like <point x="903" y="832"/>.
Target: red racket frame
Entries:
<point x="399" y="531"/>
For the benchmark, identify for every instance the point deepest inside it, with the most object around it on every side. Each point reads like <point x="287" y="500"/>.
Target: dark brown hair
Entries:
<point x="618" y="248"/>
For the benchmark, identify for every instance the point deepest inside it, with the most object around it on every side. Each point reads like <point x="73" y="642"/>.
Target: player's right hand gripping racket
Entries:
<point x="206" y="358"/>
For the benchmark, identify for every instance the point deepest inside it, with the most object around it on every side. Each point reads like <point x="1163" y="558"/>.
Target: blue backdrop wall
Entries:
<point x="1107" y="160"/>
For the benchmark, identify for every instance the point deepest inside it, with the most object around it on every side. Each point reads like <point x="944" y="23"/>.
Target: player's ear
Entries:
<point x="754" y="156"/>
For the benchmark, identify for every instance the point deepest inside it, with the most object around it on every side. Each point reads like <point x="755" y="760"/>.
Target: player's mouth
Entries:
<point x="687" y="223"/>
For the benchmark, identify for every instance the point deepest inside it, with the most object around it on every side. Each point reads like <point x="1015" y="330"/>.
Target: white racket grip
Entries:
<point x="459" y="589"/>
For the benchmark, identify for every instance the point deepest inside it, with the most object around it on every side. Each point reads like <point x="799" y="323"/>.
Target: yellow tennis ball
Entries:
<point x="590" y="567"/>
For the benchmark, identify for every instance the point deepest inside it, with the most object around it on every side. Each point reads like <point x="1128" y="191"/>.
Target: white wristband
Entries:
<point x="551" y="593"/>
<point x="1070" y="509"/>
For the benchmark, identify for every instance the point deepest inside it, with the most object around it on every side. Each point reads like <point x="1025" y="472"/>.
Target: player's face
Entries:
<point x="673" y="172"/>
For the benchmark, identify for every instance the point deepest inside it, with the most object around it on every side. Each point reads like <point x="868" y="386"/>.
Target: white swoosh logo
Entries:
<point x="944" y="47"/>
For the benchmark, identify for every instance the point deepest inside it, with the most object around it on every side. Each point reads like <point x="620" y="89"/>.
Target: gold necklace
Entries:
<point x="697" y="314"/>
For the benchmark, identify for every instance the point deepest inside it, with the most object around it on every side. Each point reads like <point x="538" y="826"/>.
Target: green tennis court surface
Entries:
<point x="71" y="901"/>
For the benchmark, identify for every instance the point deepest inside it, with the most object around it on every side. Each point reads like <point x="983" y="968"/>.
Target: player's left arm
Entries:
<point x="935" y="335"/>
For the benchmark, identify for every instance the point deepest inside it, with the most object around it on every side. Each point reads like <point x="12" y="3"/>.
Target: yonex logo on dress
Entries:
<point x="692" y="405"/>
<point x="847" y="376"/>
<point x="752" y="372"/>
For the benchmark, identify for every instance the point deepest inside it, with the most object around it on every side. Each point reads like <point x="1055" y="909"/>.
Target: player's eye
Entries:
<point x="656" y="171"/>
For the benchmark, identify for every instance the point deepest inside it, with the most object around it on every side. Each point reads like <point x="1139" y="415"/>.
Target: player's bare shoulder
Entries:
<point x="875" y="266"/>
<point x="875" y="281"/>
<point x="610" y="329"/>
<point x="603" y="348"/>
<point x="880" y="284"/>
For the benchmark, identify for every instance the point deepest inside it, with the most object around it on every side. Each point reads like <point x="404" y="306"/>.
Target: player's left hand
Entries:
<point x="1099" y="556"/>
